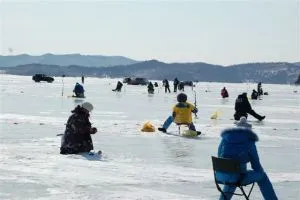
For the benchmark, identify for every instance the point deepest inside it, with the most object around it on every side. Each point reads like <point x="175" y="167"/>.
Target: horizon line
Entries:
<point x="166" y="62"/>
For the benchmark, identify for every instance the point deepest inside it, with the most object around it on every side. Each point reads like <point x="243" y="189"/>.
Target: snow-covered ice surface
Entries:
<point x="135" y="165"/>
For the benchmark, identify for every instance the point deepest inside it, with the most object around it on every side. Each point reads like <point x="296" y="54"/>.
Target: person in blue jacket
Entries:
<point x="78" y="90"/>
<point x="239" y="144"/>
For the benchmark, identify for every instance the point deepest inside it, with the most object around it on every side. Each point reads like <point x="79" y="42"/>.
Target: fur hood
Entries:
<point x="239" y="135"/>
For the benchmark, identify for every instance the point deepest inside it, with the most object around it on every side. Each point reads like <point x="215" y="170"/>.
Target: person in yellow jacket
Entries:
<point x="182" y="114"/>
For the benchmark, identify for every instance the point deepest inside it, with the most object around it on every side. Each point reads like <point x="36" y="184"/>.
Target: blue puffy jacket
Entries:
<point x="238" y="144"/>
<point x="78" y="89"/>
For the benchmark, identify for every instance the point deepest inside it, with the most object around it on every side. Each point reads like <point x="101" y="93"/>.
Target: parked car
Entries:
<point x="126" y="80"/>
<point x="42" y="77"/>
<point x="135" y="81"/>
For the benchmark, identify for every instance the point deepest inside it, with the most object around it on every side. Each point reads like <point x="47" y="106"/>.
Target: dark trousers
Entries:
<point x="237" y="115"/>
<point x="167" y="88"/>
<point x="175" y="88"/>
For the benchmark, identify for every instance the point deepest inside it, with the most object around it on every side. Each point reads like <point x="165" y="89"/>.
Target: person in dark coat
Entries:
<point x="239" y="144"/>
<point x="78" y="90"/>
<point x="77" y="136"/>
<point x="259" y="89"/>
<point x="242" y="107"/>
<point x="150" y="88"/>
<point x="175" y="83"/>
<point x="82" y="79"/>
<point x="224" y="93"/>
<point x="119" y="87"/>
<point x="167" y="86"/>
<point x="254" y="94"/>
<point x="181" y="86"/>
<point x="155" y="84"/>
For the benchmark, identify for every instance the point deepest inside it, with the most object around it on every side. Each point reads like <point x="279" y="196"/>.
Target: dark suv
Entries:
<point x="137" y="81"/>
<point x="42" y="77"/>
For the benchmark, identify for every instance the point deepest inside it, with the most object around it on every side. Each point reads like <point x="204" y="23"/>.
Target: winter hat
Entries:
<point x="243" y="123"/>
<point x="88" y="106"/>
<point x="181" y="97"/>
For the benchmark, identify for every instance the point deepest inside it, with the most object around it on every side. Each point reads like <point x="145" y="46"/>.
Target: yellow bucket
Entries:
<point x="148" y="127"/>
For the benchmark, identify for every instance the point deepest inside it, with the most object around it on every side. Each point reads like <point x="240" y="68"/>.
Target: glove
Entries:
<point x="94" y="130"/>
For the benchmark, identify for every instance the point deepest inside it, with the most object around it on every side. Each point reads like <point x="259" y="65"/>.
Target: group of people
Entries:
<point x="150" y="87"/>
<point x="236" y="143"/>
<point x="256" y="94"/>
<point x="176" y="83"/>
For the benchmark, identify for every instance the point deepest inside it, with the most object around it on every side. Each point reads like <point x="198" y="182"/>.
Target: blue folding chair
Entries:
<point x="230" y="166"/>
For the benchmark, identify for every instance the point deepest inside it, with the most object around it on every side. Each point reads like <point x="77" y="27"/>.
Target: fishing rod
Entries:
<point x="195" y="103"/>
<point x="63" y="85"/>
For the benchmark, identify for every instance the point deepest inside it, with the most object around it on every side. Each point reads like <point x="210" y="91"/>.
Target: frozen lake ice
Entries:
<point x="135" y="165"/>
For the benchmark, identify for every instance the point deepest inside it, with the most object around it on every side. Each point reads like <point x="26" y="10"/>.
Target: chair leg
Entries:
<point x="223" y="194"/>
<point x="244" y="193"/>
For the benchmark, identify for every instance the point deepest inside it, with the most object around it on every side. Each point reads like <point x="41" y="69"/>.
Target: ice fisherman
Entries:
<point x="167" y="86"/>
<point x="224" y="93"/>
<point x="119" y="87"/>
<point x="243" y="108"/>
<point x="150" y="88"/>
<point x="78" y="90"/>
<point x="239" y="144"/>
<point x="259" y="89"/>
<point x="182" y="114"/>
<point x="175" y="83"/>
<point x="77" y="137"/>
<point x="181" y="86"/>
<point x="254" y="94"/>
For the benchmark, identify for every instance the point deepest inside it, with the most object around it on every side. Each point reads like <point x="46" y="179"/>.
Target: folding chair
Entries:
<point x="179" y="127"/>
<point x="229" y="166"/>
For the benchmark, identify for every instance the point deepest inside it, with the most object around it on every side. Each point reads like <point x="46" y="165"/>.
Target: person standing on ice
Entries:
<point x="77" y="136"/>
<point x="167" y="86"/>
<point x="239" y="144"/>
<point x="182" y="114"/>
<point x="242" y="107"/>
<point x="175" y="83"/>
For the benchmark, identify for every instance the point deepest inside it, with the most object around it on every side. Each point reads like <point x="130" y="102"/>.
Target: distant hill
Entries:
<point x="65" y="60"/>
<point x="277" y="72"/>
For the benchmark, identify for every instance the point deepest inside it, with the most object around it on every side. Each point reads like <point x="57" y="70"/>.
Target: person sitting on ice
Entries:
<point x="239" y="144"/>
<point x="119" y="87"/>
<point x="254" y="95"/>
<point x="243" y="108"/>
<point x="150" y="88"/>
<point x="181" y="86"/>
<point x="182" y="114"/>
<point x="77" y="137"/>
<point x="224" y="93"/>
<point x="78" y="90"/>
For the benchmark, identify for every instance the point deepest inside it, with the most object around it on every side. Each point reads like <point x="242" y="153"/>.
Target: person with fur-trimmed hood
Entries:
<point x="239" y="144"/>
<point x="77" y="136"/>
<point x="182" y="114"/>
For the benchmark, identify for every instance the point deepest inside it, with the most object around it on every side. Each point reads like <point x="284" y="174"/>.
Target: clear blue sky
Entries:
<point x="217" y="32"/>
